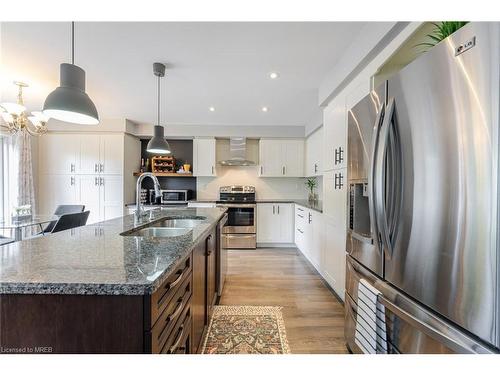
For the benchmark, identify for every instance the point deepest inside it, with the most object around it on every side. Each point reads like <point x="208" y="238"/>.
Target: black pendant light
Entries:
<point x="158" y="144"/>
<point x="69" y="102"/>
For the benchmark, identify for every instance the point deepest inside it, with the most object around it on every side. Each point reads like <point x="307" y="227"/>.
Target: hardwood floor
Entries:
<point x="314" y="318"/>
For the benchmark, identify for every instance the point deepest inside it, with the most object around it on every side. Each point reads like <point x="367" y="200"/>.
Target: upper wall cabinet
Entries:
<point x="204" y="157"/>
<point x="82" y="153"/>
<point x="314" y="153"/>
<point x="335" y="135"/>
<point x="281" y="158"/>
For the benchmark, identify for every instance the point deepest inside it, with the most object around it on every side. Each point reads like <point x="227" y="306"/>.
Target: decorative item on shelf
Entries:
<point x="16" y="119"/>
<point x="187" y="167"/>
<point x="142" y="166"/>
<point x="163" y="164"/>
<point x="22" y="213"/>
<point x="311" y="183"/>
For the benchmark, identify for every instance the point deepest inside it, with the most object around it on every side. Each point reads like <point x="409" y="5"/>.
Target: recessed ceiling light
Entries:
<point x="211" y="109"/>
<point x="265" y="109"/>
<point x="274" y="75"/>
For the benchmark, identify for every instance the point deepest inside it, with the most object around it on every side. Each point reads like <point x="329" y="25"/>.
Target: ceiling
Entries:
<point x="224" y="65"/>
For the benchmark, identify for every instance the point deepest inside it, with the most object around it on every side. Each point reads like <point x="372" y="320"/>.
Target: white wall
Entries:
<point x="213" y="130"/>
<point x="266" y="188"/>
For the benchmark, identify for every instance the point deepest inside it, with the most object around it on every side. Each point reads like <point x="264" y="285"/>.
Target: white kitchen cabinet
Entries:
<point x="90" y="196"/>
<point x="335" y="135"/>
<point x="56" y="190"/>
<point x="300" y="222"/>
<point x="204" y="159"/>
<point x="59" y="153"/>
<point x="102" y="196"/>
<point x="101" y="177"/>
<point x="310" y="234"/>
<point x="271" y="158"/>
<point x="275" y="223"/>
<point x="314" y="153"/>
<point x="111" y="154"/>
<point x="281" y="157"/>
<point x="335" y="196"/>
<point x="82" y="153"/>
<point x="111" y="197"/>
<point x="334" y="256"/>
<point x="90" y="145"/>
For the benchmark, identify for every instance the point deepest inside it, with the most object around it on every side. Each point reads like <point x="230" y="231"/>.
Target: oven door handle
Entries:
<point x="238" y="205"/>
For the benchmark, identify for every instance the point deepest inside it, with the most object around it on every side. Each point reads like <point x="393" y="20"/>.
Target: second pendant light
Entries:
<point x="158" y="144"/>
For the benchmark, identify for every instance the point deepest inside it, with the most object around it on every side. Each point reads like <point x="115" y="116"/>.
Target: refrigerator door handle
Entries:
<point x="380" y="178"/>
<point x="371" y="200"/>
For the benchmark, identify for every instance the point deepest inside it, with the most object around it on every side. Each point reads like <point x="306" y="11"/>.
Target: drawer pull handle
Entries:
<point x="176" y="281"/>
<point x="302" y="216"/>
<point x="177" y="311"/>
<point x="173" y="348"/>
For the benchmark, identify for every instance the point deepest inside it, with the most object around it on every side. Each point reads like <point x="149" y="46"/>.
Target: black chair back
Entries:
<point x="69" y="221"/>
<point x="63" y="209"/>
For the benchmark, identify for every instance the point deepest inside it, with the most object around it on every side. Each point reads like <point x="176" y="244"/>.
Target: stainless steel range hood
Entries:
<point x="237" y="153"/>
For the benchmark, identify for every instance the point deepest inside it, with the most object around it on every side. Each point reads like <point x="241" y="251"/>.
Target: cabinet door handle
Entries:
<point x="315" y="168"/>
<point x="95" y="168"/>
<point x="261" y="169"/>
<point x="341" y="155"/>
<point x="72" y="167"/>
<point x="278" y="209"/>
<point x="301" y="216"/>
<point x="283" y="170"/>
<point x="72" y="181"/>
<point x="310" y="218"/>
<point x="102" y="168"/>
<point x="101" y="181"/>
<point x="212" y="169"/>
<point x="273" y="208"/>
<point x="96" y="181"/>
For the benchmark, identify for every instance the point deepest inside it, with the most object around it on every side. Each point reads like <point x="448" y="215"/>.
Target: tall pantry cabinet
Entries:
<point x="335" y="194"/>
<point x="88" y="168"/>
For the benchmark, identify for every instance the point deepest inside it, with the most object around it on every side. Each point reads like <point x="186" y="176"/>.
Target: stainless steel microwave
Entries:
<point x="174" y="196"/>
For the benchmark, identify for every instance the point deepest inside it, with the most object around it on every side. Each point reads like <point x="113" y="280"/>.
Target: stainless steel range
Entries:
<point x="240" y="231"/>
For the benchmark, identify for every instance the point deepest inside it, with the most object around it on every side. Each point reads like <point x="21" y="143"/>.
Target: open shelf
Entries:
<point x="167" y="174"/>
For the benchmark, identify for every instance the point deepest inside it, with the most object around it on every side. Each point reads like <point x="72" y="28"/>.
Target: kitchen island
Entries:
<point x="103" y="288"/>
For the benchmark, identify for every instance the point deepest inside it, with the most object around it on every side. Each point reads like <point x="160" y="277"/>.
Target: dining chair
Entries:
<point x="69" y="221"/>
<point x="63" y="209"/>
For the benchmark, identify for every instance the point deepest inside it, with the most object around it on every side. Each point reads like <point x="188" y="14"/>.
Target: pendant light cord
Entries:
<point x="158" y="100"/>
<point x="73" y="42"/>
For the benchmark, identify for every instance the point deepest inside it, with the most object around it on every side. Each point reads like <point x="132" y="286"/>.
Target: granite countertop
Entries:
<point x="317" y="206"/>
<point x="96" y="259"/>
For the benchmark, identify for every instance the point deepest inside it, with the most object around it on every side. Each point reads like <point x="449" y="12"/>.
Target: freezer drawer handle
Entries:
<point x="459" y="347"/>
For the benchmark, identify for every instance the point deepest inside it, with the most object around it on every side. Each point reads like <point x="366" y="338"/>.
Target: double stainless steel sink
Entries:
<point x="167" y="228"/>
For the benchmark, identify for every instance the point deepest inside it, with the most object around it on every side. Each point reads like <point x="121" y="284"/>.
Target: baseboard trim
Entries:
<point x="325" y="282"/>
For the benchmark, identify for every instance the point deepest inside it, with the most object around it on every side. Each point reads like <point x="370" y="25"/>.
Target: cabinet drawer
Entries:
<point x="170" y="316"/>
<point x="161" y="298"/>
<point x="179" y="340"/>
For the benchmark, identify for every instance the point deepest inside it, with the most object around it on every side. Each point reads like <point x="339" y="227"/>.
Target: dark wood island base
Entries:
<point x="171" y="320"/>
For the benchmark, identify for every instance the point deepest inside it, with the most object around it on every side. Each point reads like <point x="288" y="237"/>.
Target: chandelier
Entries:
<point x="16" y="118"/>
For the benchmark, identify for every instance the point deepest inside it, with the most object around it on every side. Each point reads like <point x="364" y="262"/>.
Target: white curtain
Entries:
<point x="25" y="186"/>
<point x="16" y="168"/>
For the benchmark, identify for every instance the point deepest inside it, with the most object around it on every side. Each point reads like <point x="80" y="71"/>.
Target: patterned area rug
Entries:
<point x="246" y="330"/>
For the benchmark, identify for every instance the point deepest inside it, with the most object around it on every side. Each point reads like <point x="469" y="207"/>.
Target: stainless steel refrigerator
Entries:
<point x="423" y="198"/>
